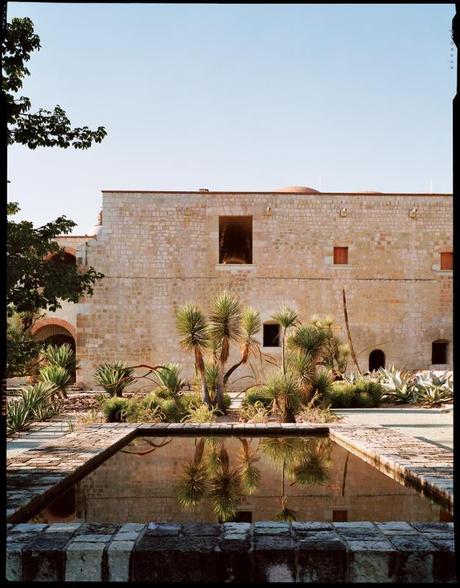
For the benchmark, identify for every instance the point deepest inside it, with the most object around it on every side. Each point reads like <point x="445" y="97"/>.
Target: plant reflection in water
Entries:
<point x="211" y="473"/>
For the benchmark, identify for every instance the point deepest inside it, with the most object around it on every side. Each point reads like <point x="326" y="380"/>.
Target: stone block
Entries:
<point x="274" y="558"/>
<point x="163" y="530"/>
<point x="202" y="529"/>
<point x="372" y="561"/>
<point x="416" y="561"/>
<point x="84" y="562"/>
<point x="44" y="558"/>
<point x="444" y="564"/>
<point x="322" y="559"/>
<point x="158" y="558"/>
<point x="118" y="560"/>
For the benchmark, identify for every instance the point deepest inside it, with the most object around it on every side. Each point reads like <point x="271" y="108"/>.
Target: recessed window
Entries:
<point x="271" y="336"/>
<point x="340" y="516"/>
<point x="447" y="260"/>
<point x="235" y="239"/>
<point x="340" y="255"/>
<point x="439" y="351"/>
<point x="243" y="516"/>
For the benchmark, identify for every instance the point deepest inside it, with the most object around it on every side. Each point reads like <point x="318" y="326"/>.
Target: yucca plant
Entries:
<point x="224" y="328"/>
<point x="56" y="375"/>
<point x="114" y="377"/>
<point x="285" y="391"/>
<point x="285" y="514"/>
<point x="249" y="473"/>
<point x="193" y="484"/>
<point x="287" y="317"/>
<point x="250" y="326"/>
<point x="193" y="329"/>
<point x="225" y="489"/>
<point x="60" y="355"/>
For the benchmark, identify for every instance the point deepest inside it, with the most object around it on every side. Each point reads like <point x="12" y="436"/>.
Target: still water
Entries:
<point x="210" y="479"/>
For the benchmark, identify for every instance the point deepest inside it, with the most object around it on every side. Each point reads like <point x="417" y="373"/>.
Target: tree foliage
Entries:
<point x="44" y="128"/>
<point x="34" y="281"/>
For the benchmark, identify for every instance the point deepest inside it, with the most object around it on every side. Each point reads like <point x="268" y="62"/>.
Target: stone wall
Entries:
<point x="160" y="250"/>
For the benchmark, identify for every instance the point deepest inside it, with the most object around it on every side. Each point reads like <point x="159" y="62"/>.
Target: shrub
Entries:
<point x="114" y="377"/>
<point x="139" y="411"/>
<point x="255" y="413"/>
<point x="114" y="409"/>
<point x="192" y="400"/>
<point x="56" y="375"/>
<point x="257" y="394"/>
<point x="200" y="414"/>
<point x="363" y="393"/>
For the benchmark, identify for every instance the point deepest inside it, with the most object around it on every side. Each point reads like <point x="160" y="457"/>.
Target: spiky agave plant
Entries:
<point x="56" y="375"/>
<point x="225" y="489"/>
<point x="114" y="377"/>
<point x="287" y="317"/>
<point x="249" y="473"/>
<point x="61" y="355"/>
<point x="224" y="328"/>
<point x="192" y="486"/>
<point x="194" y="332"/>
<point x="169" y="378"/>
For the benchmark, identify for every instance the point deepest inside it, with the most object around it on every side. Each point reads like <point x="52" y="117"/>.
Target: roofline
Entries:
<point x="200" y="192"/>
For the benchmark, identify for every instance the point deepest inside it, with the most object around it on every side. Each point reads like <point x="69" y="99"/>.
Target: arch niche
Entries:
<point x="56" y="332"/>
<point x="376" y="360"/>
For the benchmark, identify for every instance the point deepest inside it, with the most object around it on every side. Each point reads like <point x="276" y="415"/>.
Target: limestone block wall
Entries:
<point x="159" y="250"/>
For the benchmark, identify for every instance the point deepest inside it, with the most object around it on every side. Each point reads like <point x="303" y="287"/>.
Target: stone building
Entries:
<point x="392" y="253"/>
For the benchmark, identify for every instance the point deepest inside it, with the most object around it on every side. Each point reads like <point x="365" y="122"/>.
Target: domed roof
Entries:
<point x="370" y="192"/>
<point x="299" y="190"/>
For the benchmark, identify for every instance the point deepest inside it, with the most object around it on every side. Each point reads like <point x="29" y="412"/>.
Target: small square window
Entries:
<point x="340" y="255"/>
<point x="447" y="260"/>
<point x="340" y="516"/>
<point x="271" y="335"/>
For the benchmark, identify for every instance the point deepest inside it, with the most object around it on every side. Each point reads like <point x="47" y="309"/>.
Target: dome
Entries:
<point x="299" y="190"/>
<point x="370" y="192"/>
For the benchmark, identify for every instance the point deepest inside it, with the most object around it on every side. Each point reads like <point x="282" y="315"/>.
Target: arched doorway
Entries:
<point x="55" y="332"/>
<point x="376" y="360"/>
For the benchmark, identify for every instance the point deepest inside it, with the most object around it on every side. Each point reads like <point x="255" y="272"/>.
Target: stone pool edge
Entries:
<point x="360" y="548"/>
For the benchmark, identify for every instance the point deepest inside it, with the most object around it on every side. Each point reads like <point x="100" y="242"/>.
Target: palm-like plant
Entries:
<point x="249" y="473"/>
<point x="285" y="391"/>
<point x="192" y="487"/>
<point x="224" y="327"/>
<point x="225" y="488"/>
<point x="250" y="326"/>
<point x="57" y="375"/>
<point x="114" y="377"/>
<point x="193" y="329"/>
<point x="287" y="317"/>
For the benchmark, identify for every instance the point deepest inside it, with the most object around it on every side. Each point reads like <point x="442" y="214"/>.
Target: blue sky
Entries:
<point x="240" y="97"/>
